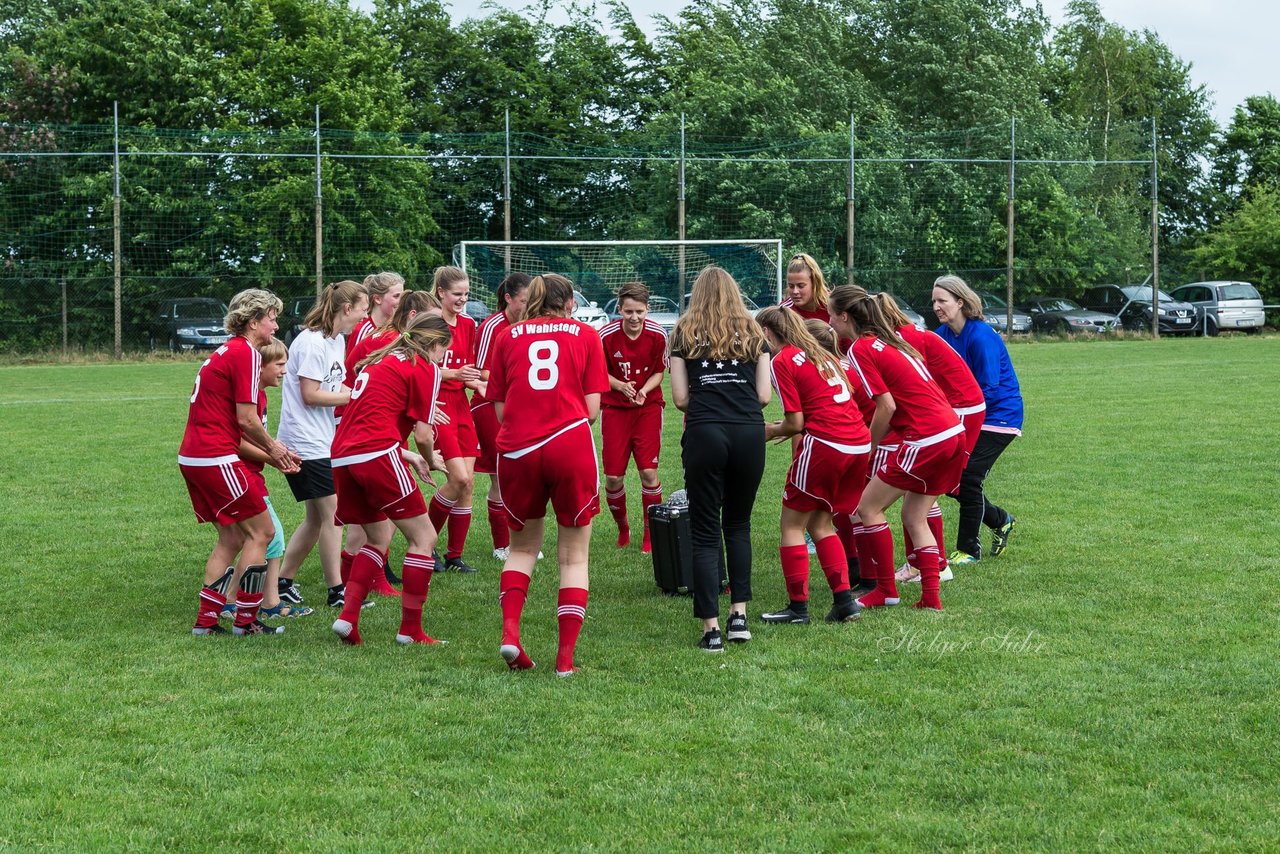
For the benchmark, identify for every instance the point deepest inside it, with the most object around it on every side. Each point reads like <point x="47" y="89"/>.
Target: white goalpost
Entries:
<point x="599" y="267"/>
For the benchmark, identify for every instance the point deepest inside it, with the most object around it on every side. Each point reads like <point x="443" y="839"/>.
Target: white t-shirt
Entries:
<point x="309" y="429"/>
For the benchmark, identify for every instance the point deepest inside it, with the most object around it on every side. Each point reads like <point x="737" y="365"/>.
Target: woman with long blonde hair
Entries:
<point x="720" y="380"/>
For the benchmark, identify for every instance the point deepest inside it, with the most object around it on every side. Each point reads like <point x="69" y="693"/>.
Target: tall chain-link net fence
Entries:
<point x="203" y="214"/>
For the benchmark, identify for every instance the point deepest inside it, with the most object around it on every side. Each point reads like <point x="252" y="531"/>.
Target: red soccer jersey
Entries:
<point x="817" y="313"/>
<point x="364" y="329"/>
<point x="256" y="466"/>
<point x="389" y="397"/>
<point x="829" y="409"/>
<point x="542" y="370"/>
<point x="358" y="352"/>
<point x="493" y="324"/>
<point x="866" y="404"/>
<point x="922" y="409"/>
<point x="946" y="366"/>
<point x="462" y="350"/>
<point x="227" y="378"/>
<point x="634" y="361"/>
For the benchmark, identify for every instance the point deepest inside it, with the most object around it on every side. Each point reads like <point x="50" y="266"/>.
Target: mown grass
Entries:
<point x="1108" y="682"/>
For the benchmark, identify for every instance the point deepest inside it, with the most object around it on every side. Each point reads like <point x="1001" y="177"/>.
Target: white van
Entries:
<point x="1224" y="305"/>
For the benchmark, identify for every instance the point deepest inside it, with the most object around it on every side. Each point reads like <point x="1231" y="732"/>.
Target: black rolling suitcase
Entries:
<point x="672" y="548"/>
<point x="672" y="544"/>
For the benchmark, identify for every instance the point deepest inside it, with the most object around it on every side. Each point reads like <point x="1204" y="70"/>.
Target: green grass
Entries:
<point x="1108" y="682"/>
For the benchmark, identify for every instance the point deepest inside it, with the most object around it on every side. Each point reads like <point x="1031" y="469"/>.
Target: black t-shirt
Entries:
<point x="721" y="391"/>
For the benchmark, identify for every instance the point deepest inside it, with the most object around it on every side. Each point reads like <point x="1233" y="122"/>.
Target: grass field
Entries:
<point x="1109" y="682"/>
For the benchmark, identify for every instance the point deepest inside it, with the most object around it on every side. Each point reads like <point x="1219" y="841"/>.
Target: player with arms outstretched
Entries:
<point x="546" y="378"/>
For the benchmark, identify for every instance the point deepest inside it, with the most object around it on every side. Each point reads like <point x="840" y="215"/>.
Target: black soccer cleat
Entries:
<point x="788" y="614"/>
<point x="215" y="629"/>
<point x="257" y="627"/>
<point x="457" y="564"/>
<point x="1000" y="537"/>
<point x="844" y="612"/>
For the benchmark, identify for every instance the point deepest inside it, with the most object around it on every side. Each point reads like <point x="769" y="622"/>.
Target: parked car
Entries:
<point x="295" y="311"/>
<point x="916" y="318"/>
<point x="995" y="311"/>
<point x="1132" y="304"/>
<point x="477" y="310"/>
<point x="189" y="323"/>
<point x="1059" y="314"/>
<point x="662" y="311"/>
<point x="588" y="312"/>
<point x="1223" y="305"/>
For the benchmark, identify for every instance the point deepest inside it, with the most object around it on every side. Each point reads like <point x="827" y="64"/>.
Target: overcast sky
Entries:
<point x="1229" y="43"/>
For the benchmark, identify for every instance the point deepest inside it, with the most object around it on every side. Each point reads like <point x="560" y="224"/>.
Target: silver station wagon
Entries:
<point x="1224" y="305"/>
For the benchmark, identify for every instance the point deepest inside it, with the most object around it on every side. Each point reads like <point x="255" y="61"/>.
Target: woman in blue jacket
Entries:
<point x="983" y="350"/>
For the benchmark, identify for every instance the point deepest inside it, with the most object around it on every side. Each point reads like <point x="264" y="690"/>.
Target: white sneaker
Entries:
<point x="907" y="574"/>
<point x="502" y="554"/>
<point x="540" y="555"/>
<point x="946" y="575"/>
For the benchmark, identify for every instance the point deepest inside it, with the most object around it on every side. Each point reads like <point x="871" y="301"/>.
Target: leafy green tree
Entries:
<point x="1243" y="245"/>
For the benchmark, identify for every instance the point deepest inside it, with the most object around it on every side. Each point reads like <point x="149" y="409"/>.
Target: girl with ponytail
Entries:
<point x="394" y="395"/>
<point x="928" y="459"/>
<point x="312" y="389"/>
<point x="546" y="375"/>
<point x="829" y="466"/>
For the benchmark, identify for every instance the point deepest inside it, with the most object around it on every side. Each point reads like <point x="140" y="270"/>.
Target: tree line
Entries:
<point x="750" y="76"/>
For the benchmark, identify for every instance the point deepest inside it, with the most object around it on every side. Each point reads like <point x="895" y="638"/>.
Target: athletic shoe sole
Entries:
<point x="1000" y="539"/>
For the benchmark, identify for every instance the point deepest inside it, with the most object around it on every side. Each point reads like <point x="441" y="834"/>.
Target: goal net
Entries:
<point x="599" y="267"/>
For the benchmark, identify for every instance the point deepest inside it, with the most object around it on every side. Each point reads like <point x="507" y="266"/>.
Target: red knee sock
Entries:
<point x="211" y="602"/>
<point x="571" y="610"/>
<point x="795" y="571"/>
<point x="438" y="511"/>
<point x="513" y="591"/>
<point x="935" y="527"/>
<point x="344" y="565"/>
<point x="365" y="569"/>
<point x="844" y="530"/>
<point x="498" y="525"/>
<point x="617" y="503"/>
<point x="648" y="498"/>
<point x="926" y="560"/>
<point x="459" y="525"/>
<point x="834" y="563"/>
<point x="249" y="596"/>
<point x="875" y="551"/>
<point x="416" y="580"/>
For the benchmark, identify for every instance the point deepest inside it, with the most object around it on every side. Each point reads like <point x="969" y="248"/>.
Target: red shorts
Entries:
<point x="631" y="433"/>
<point x="927" y="467"/>
<point x="972" y="418"/>
<point x="826" y="476"/>
<point x="225" y="492"/>
<point x="458" y="437"/>
<point x="485" y="418"/>
<point x="887" y="448"/>
<point x="562" y="469"/>
<point x="377" y="488"/>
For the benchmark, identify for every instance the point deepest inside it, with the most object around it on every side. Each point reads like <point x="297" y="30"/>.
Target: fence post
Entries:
<point x="680" y="210"/>
<point x="849" y="214"/>
<point x="64" y="315"/>
<point x="319" y="215"/>
<point x="1155" y="239"/>
<point x="506" y="199"/>
<point x="1008" y="273"/>
<point x="115" y="226"/>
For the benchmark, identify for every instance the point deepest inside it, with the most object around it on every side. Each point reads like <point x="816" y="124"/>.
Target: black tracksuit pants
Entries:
<point x="723" y="465"/>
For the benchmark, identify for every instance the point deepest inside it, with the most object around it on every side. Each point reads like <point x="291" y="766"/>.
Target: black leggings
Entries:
<point x="975" y="509"/>
<point x="723" y="464"/>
